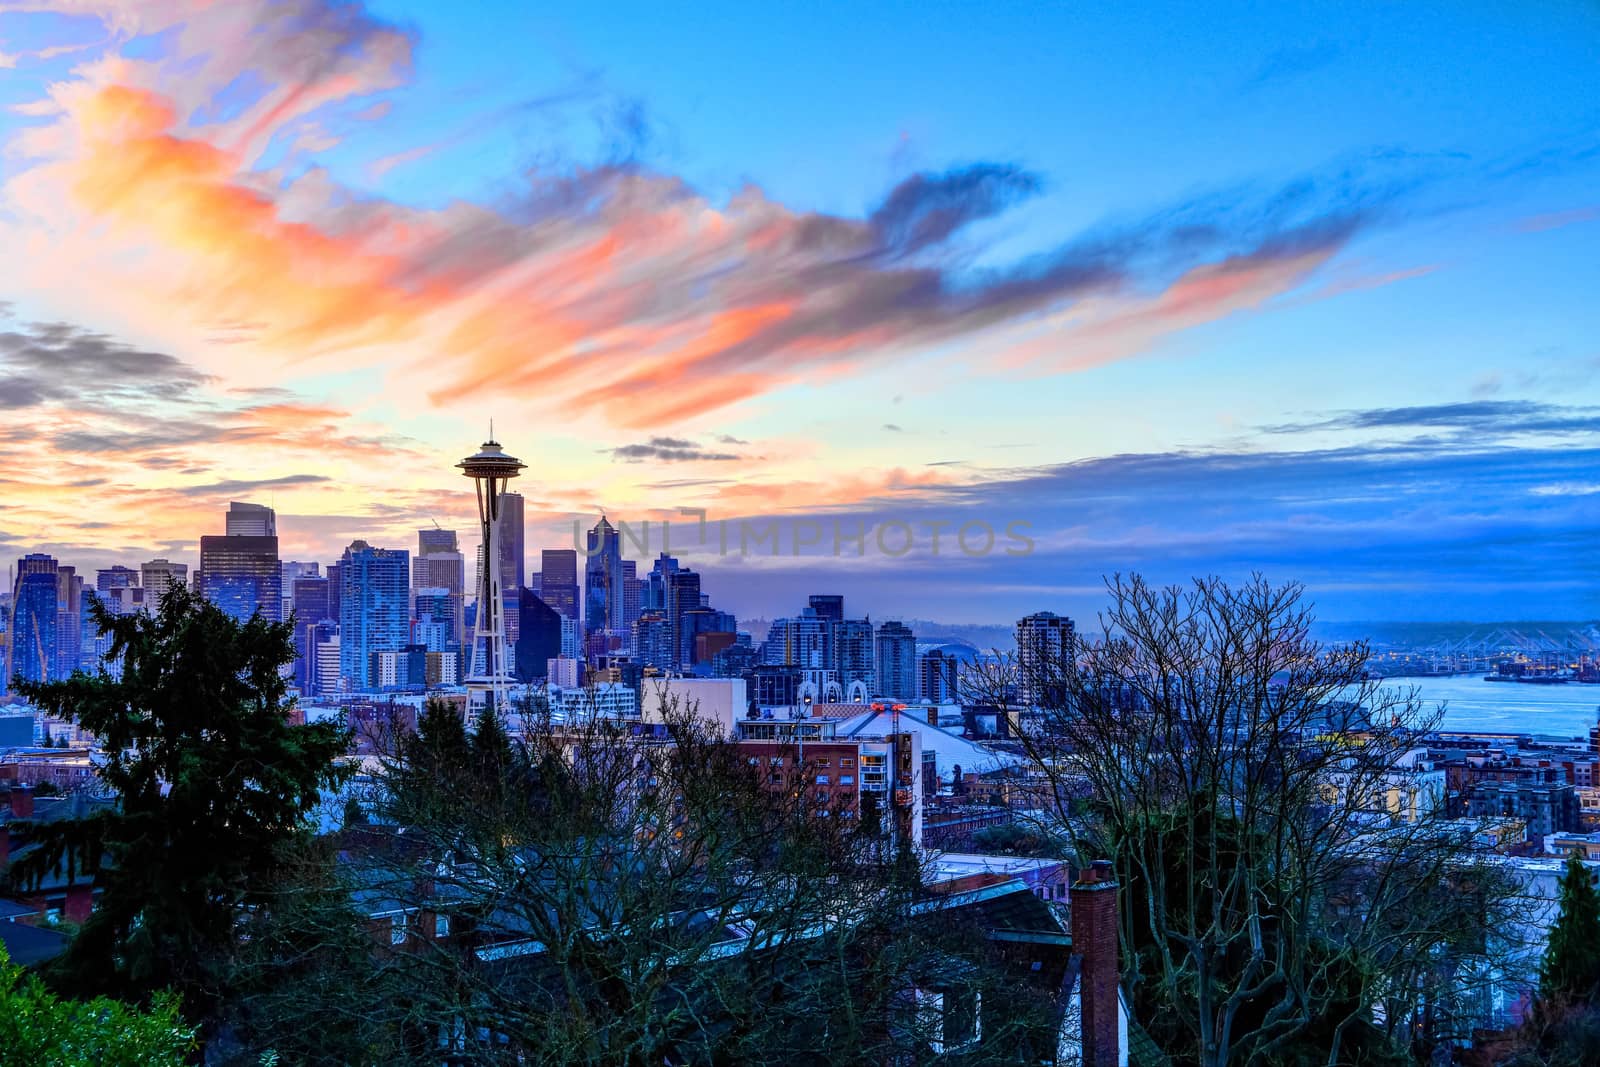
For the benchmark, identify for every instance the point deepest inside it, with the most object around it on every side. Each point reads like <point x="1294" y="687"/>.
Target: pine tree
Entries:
<point x="211" y="779"/>
<point x="1571" y="971"/>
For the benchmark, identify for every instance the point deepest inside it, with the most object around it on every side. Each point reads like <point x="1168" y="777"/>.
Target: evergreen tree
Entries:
<point x="211" y="778"/>
<point x="1571" y="971"/>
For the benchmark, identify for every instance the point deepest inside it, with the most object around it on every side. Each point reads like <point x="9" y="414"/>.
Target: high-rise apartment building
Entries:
<point x="1046" y="649"/>
<point x="938" y="677"/>
<point x="558" y="580"/>
<point x="374" y="609"/>
<point x="897" y="662"/>
<point x="855" y="656"/>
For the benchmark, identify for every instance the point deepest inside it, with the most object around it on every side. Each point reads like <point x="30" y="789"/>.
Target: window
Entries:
<point x="847" y="762"/>
<point x="847" y="779"/>
<point x="822" y="779"/>
<point x="441" y="926"/>
<point x="397" y="929"/>
<point x="824" y="762"/>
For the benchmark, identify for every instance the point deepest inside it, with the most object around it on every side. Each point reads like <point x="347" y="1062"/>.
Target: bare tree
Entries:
<point x="622" y="892"/>
<point x="1292" y="884"/>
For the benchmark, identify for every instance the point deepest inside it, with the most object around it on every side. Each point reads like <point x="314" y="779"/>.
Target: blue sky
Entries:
<point x="869" y="259"/>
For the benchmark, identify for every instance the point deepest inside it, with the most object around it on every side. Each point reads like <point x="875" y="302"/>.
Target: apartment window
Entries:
<point x="822" y="779"/>
<point x="397" y="929"/>
<point x="847" y="761"/>
<point x="441" y="926"/>
<point x="824" y="762"/>
<point x="847" y="779"/>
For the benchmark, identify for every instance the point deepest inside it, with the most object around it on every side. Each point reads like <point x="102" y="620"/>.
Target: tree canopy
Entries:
<point x="41" y="1029"/>
<point x="212" y="777"/>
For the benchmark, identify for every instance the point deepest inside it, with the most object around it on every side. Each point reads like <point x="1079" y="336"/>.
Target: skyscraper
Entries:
<point x="251" y="520"/>
<point x="34" y="616"/>
<point x="937" y="683"/>
<point x="69" y="621"/>
<point x="110" y="578"/>
<point x="239" y="573"/>
<point x="538" y="640"/>
<point x="602" y="579"/>
<point x="512" y="554"/>
<point x="854" y="653"/>
<point x="314" y="617"/>
<point x="632" y="594"/>
<point x="313" y="599"/>
<point x="558" y="580"/>
<point x="374" y="614"/>
<point x="897" y="662"/>
<point x="1046" y="648"/>
<point x="440" y="565"/>
<point x="159" y="575"/>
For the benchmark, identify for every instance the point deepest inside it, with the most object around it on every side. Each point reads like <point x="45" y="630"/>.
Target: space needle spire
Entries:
<point x="489" y="678"/>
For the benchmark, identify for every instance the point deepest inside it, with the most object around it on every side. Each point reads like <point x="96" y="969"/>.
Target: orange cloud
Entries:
<point x="613" y="292"/>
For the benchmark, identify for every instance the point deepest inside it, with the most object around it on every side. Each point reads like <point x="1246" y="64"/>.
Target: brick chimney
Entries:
<point x="21" y="802"/>
<point x="1094" y="939"/>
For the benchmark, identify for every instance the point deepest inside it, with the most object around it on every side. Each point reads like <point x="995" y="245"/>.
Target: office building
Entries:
<point x="896" y="662"/>
<point x="433" y="619"/>
<point x="239" y="571"/>
<point x="602" y="579"/>
<point x="558" y="580"/>
<point x="538" y="638"/>
<point x="439" y="564"/>
<point x="251" y="520"/>
<point x="159" y="575"/>
<point x="33" y="621"/>
<point x="70" y="616"/>
<point x="374" y="614"/>
<point x="313" y="599"/>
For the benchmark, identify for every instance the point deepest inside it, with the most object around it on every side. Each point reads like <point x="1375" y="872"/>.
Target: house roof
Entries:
<point x="30" y="945"/>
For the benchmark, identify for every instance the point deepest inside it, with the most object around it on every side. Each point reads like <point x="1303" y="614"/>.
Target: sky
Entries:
<point x="1304" y="289"/>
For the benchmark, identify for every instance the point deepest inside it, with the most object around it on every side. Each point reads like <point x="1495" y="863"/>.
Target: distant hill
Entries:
<point x="985" y="637"/>
<point x="1429" y="634"/>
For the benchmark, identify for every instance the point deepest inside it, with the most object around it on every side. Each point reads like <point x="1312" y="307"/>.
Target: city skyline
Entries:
<point x="1355" y="352"/>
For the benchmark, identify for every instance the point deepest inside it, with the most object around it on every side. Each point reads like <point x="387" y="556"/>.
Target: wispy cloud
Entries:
<point x="1479" y="418"/>
<point x="613" y="289"/>
<point x="670" y="450"/>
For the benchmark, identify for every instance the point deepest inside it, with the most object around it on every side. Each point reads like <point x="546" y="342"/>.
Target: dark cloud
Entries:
<point x="1375" y="532"/>
<point x="235" y="487"/>
<point x="729" y="439"/>
<point x="670" y="450"/>
<point x="1467" y="419"/>
<point x="928" y="209"/>
<point x="56" y="362"/>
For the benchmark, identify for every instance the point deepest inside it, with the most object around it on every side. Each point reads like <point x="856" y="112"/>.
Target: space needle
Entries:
<point x="489" y="679"/>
